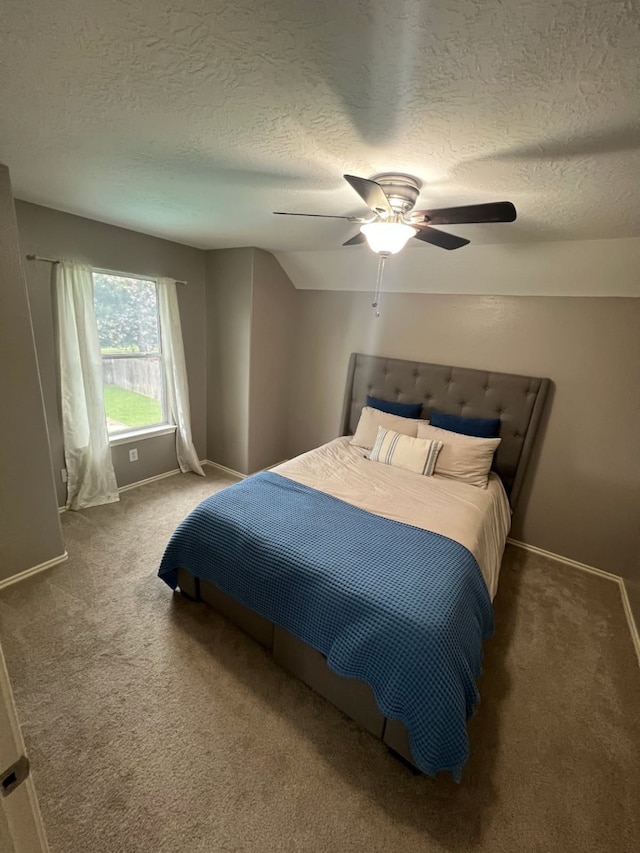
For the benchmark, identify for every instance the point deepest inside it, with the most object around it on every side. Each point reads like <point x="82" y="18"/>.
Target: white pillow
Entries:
<point x="462" y="457"/>
<point x="371" y="419"/>
<point x="403" y="451"/>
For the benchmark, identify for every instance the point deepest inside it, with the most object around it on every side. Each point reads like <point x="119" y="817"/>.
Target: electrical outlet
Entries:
<point x="133" y="455"/>
<point x="63" y="475"/>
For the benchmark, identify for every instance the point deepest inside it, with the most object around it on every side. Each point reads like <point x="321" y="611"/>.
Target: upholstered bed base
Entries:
<point x="354" y="698"/>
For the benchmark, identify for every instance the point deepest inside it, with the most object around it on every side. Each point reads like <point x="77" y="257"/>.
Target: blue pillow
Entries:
<point x="476" y="427"/>
<point x="403" y="410"/>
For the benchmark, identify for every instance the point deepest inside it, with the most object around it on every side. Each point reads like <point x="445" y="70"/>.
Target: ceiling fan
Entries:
<point x="391" y="198"/>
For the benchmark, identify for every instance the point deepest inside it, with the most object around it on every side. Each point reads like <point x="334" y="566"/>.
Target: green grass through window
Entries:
<point x="130" y="408"/>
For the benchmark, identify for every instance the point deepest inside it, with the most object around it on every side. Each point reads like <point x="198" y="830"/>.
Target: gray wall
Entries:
<point x="30" y="529"/>
<point x="229" y="293"/>
<point x="272" y="329"/>
<point x="60" y="235"/>
<point x="250" y="317"/>
<point x="584" y="490"/>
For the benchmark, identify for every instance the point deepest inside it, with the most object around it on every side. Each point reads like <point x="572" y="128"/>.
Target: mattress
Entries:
<point x="478" y="519"/>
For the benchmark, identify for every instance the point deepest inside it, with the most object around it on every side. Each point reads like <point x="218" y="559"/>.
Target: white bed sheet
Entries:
<point x="477" y="518"/>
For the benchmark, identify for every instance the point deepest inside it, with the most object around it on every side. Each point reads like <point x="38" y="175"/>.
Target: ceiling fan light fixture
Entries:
<point x="387" y="238"/>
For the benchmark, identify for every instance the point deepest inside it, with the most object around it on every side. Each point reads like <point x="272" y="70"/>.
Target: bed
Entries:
<point x="373" y="584"/>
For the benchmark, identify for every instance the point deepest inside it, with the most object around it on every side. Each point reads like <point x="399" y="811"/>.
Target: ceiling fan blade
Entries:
<point x="499" y="211"/>
<point x="439" y="238"/>
<point x="358" y="238"/>
<point x="321" y="215"/>
<point x="371" y="193"/>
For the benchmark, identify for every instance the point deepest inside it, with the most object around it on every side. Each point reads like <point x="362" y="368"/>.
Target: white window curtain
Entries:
<point x="91" y="480"/>
<point x="176" y="375"/>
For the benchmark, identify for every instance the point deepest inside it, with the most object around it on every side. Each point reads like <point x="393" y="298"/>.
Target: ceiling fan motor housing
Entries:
<point x="401" y="190"/>
<point x="392" y="196"/>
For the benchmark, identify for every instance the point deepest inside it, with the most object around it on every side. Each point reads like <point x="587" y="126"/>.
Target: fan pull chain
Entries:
<point x="378" y="293"/>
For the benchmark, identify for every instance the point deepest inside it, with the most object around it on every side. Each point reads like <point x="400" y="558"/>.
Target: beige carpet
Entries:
<point x="154" y="725"/>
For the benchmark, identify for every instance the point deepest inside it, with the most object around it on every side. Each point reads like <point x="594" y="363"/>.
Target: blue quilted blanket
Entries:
<point x="400" y="608"/>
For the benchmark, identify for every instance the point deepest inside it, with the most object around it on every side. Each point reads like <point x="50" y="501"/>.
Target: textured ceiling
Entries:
<point x="193" y="120"/>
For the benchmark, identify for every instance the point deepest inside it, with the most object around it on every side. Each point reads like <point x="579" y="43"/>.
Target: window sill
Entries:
<point x="137" y="434"/>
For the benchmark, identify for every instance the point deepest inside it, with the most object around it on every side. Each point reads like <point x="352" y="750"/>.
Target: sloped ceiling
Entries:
<point x="193" y="119"/>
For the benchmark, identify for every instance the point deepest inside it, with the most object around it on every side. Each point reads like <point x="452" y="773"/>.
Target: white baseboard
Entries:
<point x="568" y="562"/>
<point x="275" y="465"/>
<point x="137" y="483"/>
<point x="237" y="473"/>
<point x="171" y="473"/>
<point x="626" y="604"/>
<point x="34" y="570"/>
<point x="225" y="469"/>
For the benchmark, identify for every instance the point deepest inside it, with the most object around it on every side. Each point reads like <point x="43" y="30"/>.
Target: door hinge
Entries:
<point x="14" y="776"/>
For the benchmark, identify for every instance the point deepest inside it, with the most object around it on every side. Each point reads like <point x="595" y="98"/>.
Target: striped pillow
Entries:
<point x="403" y="451"/>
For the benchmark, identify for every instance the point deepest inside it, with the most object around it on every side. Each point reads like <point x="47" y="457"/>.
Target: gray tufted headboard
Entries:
<point x="517" y="400"/>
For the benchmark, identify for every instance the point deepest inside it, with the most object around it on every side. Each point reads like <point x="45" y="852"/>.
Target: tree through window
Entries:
<point x="131" y="346"/>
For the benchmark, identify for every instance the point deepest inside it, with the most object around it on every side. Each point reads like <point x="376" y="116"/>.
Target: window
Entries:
<point x="131" y="346"/>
